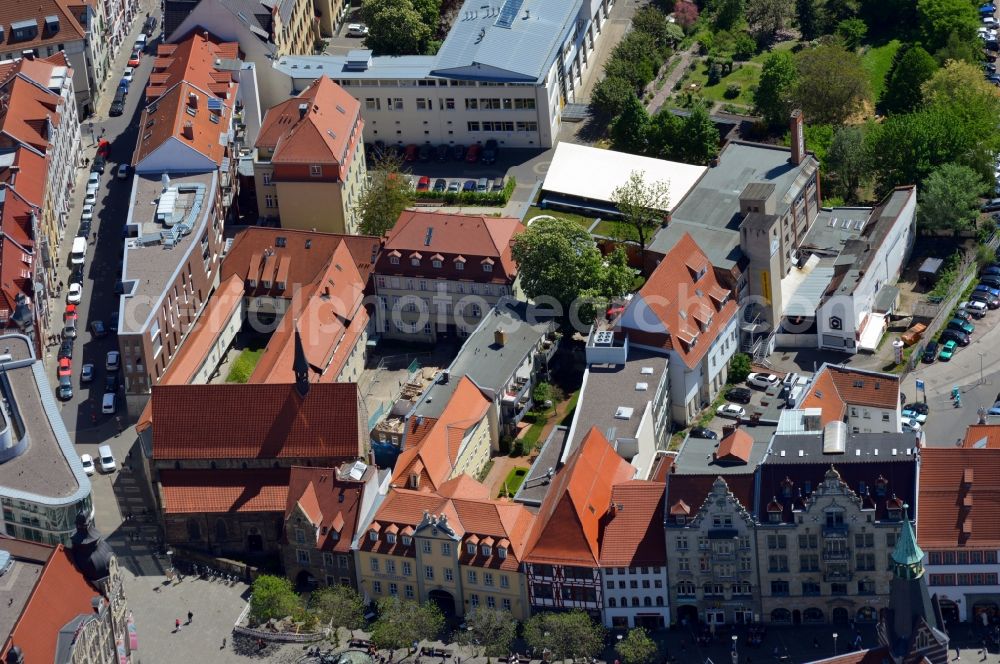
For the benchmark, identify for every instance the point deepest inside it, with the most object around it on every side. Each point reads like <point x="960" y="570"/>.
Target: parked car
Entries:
<point x="702" y="432"/>
<point x="454" y="186"/>
<point x="88" y="213"/>
<point x="84" y="229"/>
<point x="990" y="301"/>
<point x="961" y="338"/>
<point x="99" y="164"/>
<point x="470" y="185"/>
<point x="440" y="184"/>
<point x="65" y="367"/>
<point x="149" y="26"/>
<point x="410" y="153"/>
<point x="930" y="352"/>
<point x="111" y="382"/>
<point x="490" y="151"/>
<point x="90" y="198"/>
<point x="69" y="329"/>
<point x="458" y="152"/>
<point x="991" y="205"/>
<point x="994" y="409"/>
<point x="442" y="152"/>
<point x="114" y="321"/>
<point x="483" y="185"/>
<point x="472" y="156"/>
<point x="976" y="309"/>
<point x="122" y="172"/>
<point x="992" y="268"/>
<point x="918" y="407"/>
<point x="74" y="293"/>
<point x="94" y="179"/>
<point x="920" y="418"/>
<point x="762" y="380"/>
<point x="88" y="463"/>
<point x="424" y="153"/>
<point x="109" y="404"/>
<point x="70" y="313"/>
<point x="86" y="373"/>
<point x="424" y="183"/>
<point x="105" y="455"/>
<point x="66" y="349"/>
<point x="118" y="106"/>
<point x="134" y="59"/>
<point x="97" y="328"/>
<point x="910" y="425"/>
<point x="731" y="410"/>
<point x="959" y="324"/>
<point x="357" y="30"/>
<point x="739" y="395"/>
<point x="65" y="390"/>
<point x="129" y="74"/>
<point x="991" y="280"/>
<point x="111" y="363"/>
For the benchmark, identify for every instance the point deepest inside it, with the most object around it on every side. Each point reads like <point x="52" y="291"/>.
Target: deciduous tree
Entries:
<point x="909" y="71"/>
<point x="385" y="196"/>
<point x="643" y="205"/>
<point x="629" y="131"/>
<point x="937" y="19"/>
<point x="610" y="96"/>
<point x="395" y="27"/>
<point x="852" y="32"/>
<point x="273" y="597"/>
<point x="767" y="18"/>
<point x="774" y="96"/>
<point x="847" y="161"/>
<point x="338" y="605"/>
<point x="565" y="635"/>
<point x="653" y="22"/>
<point x="949" y="199"/>
<point x="832" y="83"/>
<point x="959" y="82"/>
<point x="739" y="368"/>
<point x="685" y="13"/>
<point x="726" y="13"/>
<point x="637" y="647"/>
<point x="700" y="143"/>
<point x="489" y="632"/>
<point x="402" y="622"/>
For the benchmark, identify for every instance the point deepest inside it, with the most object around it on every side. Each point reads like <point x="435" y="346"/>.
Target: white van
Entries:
<point x="79" y="252"/>
<point x="106" y="458"/>
<point x="108" y="403"/>
<point x="140" y="43"/>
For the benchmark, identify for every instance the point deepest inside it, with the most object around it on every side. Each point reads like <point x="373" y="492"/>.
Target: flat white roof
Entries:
<point x="593" y="173"/>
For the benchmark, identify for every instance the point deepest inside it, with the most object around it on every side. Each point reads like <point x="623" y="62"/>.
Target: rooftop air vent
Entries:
<point x="647" y="371"/>
<point x="623" y="413"/>
<point x="603" y="338"/>
<point x="641" y="387"/>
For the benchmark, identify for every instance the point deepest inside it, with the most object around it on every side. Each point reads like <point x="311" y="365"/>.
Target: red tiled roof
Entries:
<point x="735" y="447"/>
<point x="692" y="490"/>
<point x="456" y="237"/>
<point x="662" y="467"/>
<point x="215" y="422"/>
<point x="865" y="388"/>
<point x="435" y="457"/>
<point x="673" y="301"/>
<point x="878" y="655"/>
<point x="223" y="491"/>
<point x="323" y="135"/>
<point x="13" y="11"/>
<point x="953" y="497"/>
<point x="823" y="394"/>
<point x="567" y="529"/>
<point x="633" y="535"/>
<point x="60" y="594"/>
<point x="331" y="502"/>
<point x="23" y="117"/>
<point x="27" y="174"/>
<point x="982" y="435"/>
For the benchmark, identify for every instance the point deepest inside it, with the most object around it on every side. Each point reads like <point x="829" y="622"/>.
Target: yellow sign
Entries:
<point x="765" y="286"/>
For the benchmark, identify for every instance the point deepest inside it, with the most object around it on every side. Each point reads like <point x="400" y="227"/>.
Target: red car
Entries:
<point x="134" y="59"/>
<point x="70" y="313"/>
<point x="472" y="155"/>
<point x="424" y="183"/>
<point x="65" y="367"/>
<point x="411" y="152"/>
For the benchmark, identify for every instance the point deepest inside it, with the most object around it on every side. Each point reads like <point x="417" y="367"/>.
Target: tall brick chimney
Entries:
<point x="798" y="137"/>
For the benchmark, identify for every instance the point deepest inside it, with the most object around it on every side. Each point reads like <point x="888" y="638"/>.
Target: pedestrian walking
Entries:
<point x="223" y="644"/>
<point x="190" y="617"/>
<point x="177" y="624"/>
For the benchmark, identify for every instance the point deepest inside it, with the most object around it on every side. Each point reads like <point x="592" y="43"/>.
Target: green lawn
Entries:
<point x="244" y="365"/>
<point x="583" y="221"/>
<point x="746" y="75"/>
<point x="512" y="482"/>
<point x="876" y="61"/>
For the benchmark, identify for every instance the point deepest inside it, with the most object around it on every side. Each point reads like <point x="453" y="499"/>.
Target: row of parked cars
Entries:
<point x="423" y="183"/>
<point x="958" y="331"/>
<point x="118" y="103"/>
<point x="485" y="153"/>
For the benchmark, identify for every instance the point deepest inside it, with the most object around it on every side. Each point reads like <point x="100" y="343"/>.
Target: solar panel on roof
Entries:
<point x="214" y="104"/>
<point x="508" y="12"/>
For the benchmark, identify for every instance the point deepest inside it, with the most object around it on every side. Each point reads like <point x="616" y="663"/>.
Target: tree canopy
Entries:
<point x="959" y="82"/>
<point x="949" y="199"/>
<point x="273" y="597"/>
<point x="558" y="259"/>
<point x="630" y="130"/>
<point x="938" y="19"/>
<point x="847" y="162"/>
<point x="808" y="14"/>
<point x="643" y="205"/>
<point x="637" y="648"/>
<point x="401" y="622"/>
<point x="565" y="635"/>
<point x="832" y="83"/>
<point x="338" y="605"/>
<point x="726" y="13"/>
<point x="489" y="631"/>
<point x="610" y="96"/>
<point x="395" y="27"/>
<point x="774" y="95"/>
<point x="912" y="66"/>
<point x="766" y="18"/>
<point x="386" y="194"/>
<point x="852" y="31"/>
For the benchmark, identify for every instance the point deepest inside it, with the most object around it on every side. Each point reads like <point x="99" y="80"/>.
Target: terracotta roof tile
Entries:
<point x="662" y="467"/>
<point x="454" y="236"/>
<point x="60" y="594"/>
<point x="567" y="528"/>
<point x="690" y="491"/>
<point x="23" y="117"/>
<point x="221" y="491"/>
<point x="213" y="421"/>
<point x="671" y="300"/>
<point x="331" y="499"/>
<point x="982" y="435"/>
<point x="12" y="12"/>
<point x="952" y="499"/>
<point x="464" y="486"/>
<point x="736" y="446"/>
<point x="865" y="388"/>
<point x="323" y="135"/>
<point x="823" y="393"/>
<point x="633" y="535"/>
<point x="435" y="457"/>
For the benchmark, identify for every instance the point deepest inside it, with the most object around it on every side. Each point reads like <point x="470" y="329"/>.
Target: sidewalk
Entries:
<point x="678" y="71"/>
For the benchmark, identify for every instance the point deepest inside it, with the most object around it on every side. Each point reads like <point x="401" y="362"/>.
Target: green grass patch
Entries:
<point x="616" y="230"/>
<point x="513" y="482"/>
<point x="568" y="417"/>
<point x="746" y="75"/>
<point x="530" y="438"/>
<point x="877" y="60"/>
<point x="584" y="222"/>
<point x="781" y="46"/>
<point x="244" y="365"/>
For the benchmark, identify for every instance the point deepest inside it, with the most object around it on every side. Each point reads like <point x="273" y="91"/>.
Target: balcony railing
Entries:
<point x="839" y="530"/>
<point x="835" y="554"/>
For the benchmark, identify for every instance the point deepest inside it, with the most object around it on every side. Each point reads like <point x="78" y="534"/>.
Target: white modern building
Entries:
<point x="505" y="72"/>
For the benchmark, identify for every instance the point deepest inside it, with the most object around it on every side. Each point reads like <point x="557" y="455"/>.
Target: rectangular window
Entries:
<point x="393" y="589"/>
<point x="407" y="570"/>
<point x="504" y="581"/>
<point x="315" y="170"/>
<point x="473" y="126"/>
<point x="377" y="587"/>
<point x="505" y="604"/>
<point x="425" y="546"/>
<point x="373" y="104"/>
<point x="487" y="579"/>
<point x="448" y="575"/>
<point x="471" y="105"/>
<point x="390" y="566"/>
<point x="266" y="177"/>
<point x="374" y="564"/>
<point x="409" y="592"/>
<point x="472" y="576"/>
<point x="445" y="548"/>
<point x="429" y="573"/>
<point x="302" y="556"/>
<point x="491" y="602"/>
<point x="422" y="104"/>
<point x="449" y="104"/>
<point x="474" y="600"/>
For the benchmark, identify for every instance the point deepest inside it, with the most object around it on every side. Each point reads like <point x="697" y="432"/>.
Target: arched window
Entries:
<point x="221" y="534"/>
<point x="659" y="600"/>
<point x="624" y="602"/>
<point x="781" y="616"/>
<point x="812" y="615"/>
<point x="647" y="601"/>
<point x="635" y="601"/>
<point x="612" y="603"/>
<point x="194" y="530"/>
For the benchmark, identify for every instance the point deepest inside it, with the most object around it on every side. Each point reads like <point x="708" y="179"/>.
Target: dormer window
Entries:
<point x="774" y="517"/>
<point x="502" y="552"/>
<point x="680" y="520"/>
<point x="390" y="538"/>
<point x="459" y="265"/>
<point x="334" y="535"/>
<point x="415" y="262"/>
<point x="470" y="548"/>
<point x="394" y="260"/>
<point x="373" y="536"/>
<point x="436" y="263"/>
<point x="407" y="540"/>
<point x="415" y="481"/>
<point x="486" y="550"/>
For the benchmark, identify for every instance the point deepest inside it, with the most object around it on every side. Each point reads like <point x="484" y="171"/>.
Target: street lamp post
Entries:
<point x="834" y="643"/>
<point x="734" y="655"/>
<point x="982" y="381"/>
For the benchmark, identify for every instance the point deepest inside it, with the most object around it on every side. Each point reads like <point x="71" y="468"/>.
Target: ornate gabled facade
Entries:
<point x="827" y="562"/>
<point x="711" y="560"/>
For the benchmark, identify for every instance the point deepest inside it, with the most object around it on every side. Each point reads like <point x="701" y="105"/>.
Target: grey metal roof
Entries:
<point x="696" y="454"/>
<point x="885" y="298"/>
<point x="335" y="66"/>
<point x="931" y="265"/>
<point x="721" y="245"/>
<point x="807" y="297"/>
<point x="860" y="448"/>
<point x="834" y="227"/>
<point x="480" y="46"/>
<point x="488" y="365"/>
<point x="537" y="482"/>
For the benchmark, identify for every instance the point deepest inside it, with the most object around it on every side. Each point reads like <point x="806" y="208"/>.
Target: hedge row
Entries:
<point x="484" y="198"/>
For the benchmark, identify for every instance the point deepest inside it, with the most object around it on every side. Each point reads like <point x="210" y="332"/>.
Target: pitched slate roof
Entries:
<point x="682" y="306"/>
<point x="959" y="498"/>
<point x="323" y="135"/>
<point x="215" y="422"/>
<point x="471" y="240"/>
<point x="435" y="457"/>
<point x="633" y="534"/>
<point x="567" y="528"/>
<point x="690" y="492"/>
<point x="224" y="491"/>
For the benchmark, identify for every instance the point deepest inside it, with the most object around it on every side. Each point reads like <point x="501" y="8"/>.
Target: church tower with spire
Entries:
<point x="912" y="627"/>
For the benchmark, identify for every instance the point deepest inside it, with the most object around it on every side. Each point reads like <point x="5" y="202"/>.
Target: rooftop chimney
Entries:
<point x="193" y="100"/>
<point x="303" y="109"/>
<point x="798" y="137"/>
<point x="728" y="429"/>
<point x="499" y="337"/>
<point x="189" y="130"/>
